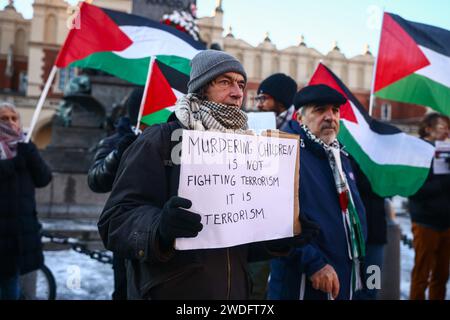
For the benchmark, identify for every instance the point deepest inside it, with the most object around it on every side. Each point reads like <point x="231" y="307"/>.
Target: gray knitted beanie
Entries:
<point x="208" y="65"/>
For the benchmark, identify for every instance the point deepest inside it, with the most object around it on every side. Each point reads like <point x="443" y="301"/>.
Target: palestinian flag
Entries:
<point x="123" y="44"/>
<point x="413" y="64"/>
<point x="165" y="86"/>
<point x="395" y="163"/>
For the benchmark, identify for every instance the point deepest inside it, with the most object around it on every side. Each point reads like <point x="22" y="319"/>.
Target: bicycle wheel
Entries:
<point x="45" y="284"/>
<point x="38" y="285"/>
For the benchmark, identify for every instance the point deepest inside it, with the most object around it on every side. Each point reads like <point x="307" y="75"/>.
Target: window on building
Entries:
<point x="250" y="103"/>
<point x="360" y="76"/>
<point x="23" y="82"/>
<point x="310" y="68"/>
<point x="258" y="67"/>
<point x="275" y="65"/>
<point x="20" y="43"/>
<point x="293" y="68"/>
<point x="65" y="75"/>
<point x="386" y="112"/>
<point x="240" y="57"/>
<point x="344" y="74"/>
<point x="51" y="28"/>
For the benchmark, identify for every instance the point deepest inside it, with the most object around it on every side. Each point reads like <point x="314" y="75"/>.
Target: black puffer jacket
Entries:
<point x="129" y="225"/>
<point x="20" y="240"/>
<point x="430" y="206"/>
<point x="107" y="157"/>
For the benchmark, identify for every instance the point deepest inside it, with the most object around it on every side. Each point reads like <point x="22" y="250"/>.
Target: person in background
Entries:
<point x="430" y="215"/>
<point x="103" y="171"/>
<point x="21" y="171"/>
<point x="276" y="94"/>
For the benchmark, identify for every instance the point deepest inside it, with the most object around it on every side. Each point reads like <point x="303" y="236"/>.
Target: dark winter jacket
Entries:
<point x="430" y="206"/>
<point x="106" y="160"/>
<point x="375" y="208"/>
<point x="20" y="240"/>
<point x="129" y="226"/>
<point x="319" y="203"/>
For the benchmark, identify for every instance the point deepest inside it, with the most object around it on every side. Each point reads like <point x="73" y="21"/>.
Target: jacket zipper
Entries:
<point x="228" y="274"/>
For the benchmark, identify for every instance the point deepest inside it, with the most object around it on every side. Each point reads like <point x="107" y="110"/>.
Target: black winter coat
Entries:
<point x="20" y="240"/>
<point x="430" y="206"/>
<point x="129" y="226"/>
<point x="103" y="171"/>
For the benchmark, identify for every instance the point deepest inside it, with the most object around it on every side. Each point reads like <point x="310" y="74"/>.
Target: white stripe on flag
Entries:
<point x="151" y="42"/>
<point x="389" y="149"/>
<point x="439" y="68"/>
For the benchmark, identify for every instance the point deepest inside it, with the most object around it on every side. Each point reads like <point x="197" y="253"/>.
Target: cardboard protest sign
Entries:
<point x="441" y="163"/>
<point x="245" y="187"/>
<point x="261" y="121"/>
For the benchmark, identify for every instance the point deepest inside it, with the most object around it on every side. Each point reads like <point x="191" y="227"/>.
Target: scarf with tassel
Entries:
<point x="9" y="139"/>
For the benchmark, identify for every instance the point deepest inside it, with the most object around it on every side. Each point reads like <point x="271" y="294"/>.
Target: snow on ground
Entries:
<point x="79" y="277"/>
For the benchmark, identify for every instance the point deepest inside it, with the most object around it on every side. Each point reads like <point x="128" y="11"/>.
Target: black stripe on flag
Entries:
<point x="176" y="79"/>
<point x="125" y="19"/>
<point x="375" y="125"/>
<point x="434" y="38"/>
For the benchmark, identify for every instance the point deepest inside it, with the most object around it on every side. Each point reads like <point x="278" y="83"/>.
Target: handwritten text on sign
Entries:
<point x="241" y="185"/>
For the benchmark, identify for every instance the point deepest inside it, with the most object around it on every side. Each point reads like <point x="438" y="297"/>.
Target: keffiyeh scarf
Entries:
<point x="196" y="114"/>
<point x="9" y="139"/>
<point x="352" y="225"/>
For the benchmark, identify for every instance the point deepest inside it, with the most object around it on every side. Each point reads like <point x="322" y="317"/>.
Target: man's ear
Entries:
<point x="299" y="116"/>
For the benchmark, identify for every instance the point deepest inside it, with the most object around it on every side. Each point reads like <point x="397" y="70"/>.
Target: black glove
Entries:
<point x="310" y="230"/>
<point x="176" y="222"/>
<point x="28" y="151"/>
<point x="20" y="162"/>
<point x="25" y="149"/>
<point x="125" y="142"/>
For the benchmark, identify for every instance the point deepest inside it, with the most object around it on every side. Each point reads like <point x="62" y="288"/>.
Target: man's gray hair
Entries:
<point x="302" y="109"/>
<point x="10" y="106"/>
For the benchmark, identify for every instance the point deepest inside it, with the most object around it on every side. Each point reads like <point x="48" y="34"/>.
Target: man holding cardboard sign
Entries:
<point x="144" y="214"/>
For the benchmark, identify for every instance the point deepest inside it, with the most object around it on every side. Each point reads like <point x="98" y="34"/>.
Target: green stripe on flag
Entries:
<point x="420" y="90"/>
<point x="386" y="180"/>
<point x="156" y="117"/>
<point x="179" y="63"/>
<point x="132" y="70"/>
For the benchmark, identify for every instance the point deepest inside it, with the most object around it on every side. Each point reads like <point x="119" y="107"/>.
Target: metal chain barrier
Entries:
<point x="98" y="255"/>
<point x="407" y="241"/>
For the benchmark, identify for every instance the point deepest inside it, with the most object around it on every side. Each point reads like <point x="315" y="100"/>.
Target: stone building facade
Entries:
<point x="28" y="49"/>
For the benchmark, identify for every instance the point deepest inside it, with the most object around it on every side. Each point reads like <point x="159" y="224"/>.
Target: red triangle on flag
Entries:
<point x="97" y="32"/>
<point x="159" y="94"/>
<point x="398" y="55"/>
<point x="322" y="76"/>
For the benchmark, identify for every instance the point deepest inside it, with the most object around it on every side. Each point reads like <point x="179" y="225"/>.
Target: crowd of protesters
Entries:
<point x="343" y="221"/>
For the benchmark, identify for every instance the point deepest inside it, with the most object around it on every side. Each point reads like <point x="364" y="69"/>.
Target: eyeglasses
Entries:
<point x="261" y="98"/>
<point x="225" y="83"/>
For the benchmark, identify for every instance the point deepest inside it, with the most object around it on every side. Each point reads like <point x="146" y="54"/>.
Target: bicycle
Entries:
<point x="38" y="285"/>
